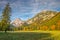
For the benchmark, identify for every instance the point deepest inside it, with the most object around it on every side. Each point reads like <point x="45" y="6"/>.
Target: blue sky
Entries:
<point x="26" y="9"/>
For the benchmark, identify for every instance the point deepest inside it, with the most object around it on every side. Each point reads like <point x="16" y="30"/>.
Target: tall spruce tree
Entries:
<point x="5" y="22"/>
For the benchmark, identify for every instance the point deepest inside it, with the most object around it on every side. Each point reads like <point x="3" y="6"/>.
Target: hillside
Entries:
<point x="51" y="24"/>
<point x="53" y="20"/>
<point x="42" y="16"/>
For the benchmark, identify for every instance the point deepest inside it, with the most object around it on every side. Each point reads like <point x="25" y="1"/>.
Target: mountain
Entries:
<point x="45" y="20"/>
<point x="17" y="22"/>
<point x="50" y="23"/>
<point x="42" y="16"/>
<point x="53" y="21"/>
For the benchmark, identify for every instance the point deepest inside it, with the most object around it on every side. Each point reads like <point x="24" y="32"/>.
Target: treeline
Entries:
<point x="35" y="26"/>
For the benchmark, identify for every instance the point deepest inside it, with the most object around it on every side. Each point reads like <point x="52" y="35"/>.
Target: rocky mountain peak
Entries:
<point x="17" y="22"/>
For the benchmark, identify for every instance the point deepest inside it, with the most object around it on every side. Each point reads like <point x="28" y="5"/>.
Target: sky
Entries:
<point x="26" y="9"/>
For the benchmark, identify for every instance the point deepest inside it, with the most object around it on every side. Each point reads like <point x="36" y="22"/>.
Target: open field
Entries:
<point x="30" y="35"/>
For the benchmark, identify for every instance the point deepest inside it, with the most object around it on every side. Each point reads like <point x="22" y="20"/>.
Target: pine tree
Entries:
<point x="5" y="22"/>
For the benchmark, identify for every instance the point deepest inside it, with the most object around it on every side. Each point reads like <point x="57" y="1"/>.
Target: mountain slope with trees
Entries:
<point x="42" y="16"/>
<point x="52" y="21"/>
<point x="49" y="24"/>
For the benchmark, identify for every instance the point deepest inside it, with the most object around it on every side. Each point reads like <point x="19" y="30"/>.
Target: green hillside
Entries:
<point x="54" y="22"/>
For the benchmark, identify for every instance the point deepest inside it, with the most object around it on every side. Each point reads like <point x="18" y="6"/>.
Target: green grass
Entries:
<point x="25" y="36"/>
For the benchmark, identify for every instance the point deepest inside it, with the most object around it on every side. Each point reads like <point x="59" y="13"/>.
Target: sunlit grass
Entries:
<point x="25" y="36"/>
<point x="30" y="35"/>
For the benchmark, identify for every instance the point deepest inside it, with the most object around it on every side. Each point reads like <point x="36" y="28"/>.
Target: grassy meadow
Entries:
<point x="42" y="35"/>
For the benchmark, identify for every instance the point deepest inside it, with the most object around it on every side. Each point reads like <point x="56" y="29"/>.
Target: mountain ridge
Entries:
<point x="41" y="14"/>
<point x="40" y="17"/>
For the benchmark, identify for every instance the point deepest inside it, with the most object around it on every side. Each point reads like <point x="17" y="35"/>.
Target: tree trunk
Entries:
<point x="5" y="30"/>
